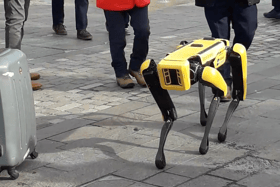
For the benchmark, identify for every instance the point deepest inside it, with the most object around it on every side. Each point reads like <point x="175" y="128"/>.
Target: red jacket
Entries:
<point x="120" y="5"/>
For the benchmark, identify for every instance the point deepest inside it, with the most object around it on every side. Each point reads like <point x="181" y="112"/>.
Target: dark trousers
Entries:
<point x="126" y="20"/>
<point x="116" y="27"/>
<point x="276" y="4"/>
<point x="244" y="24"/>
<point x="81" y="9"/>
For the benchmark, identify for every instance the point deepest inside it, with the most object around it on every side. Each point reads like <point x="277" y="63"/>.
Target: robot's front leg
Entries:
<point x="203" y="115"/>
<point x="238" y="62"/>
<point x="204" y="145"/>
<point x="165" y="104"/>
<point x="160" y="158"/>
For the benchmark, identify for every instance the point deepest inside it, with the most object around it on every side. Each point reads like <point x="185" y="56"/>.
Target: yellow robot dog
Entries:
<point x="193" y="62"/>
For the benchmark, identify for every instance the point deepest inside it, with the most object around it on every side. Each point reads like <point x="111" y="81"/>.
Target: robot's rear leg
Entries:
<point x="204" y="146"/>
<point x="203" y="114"/>
<point x="222" y="135"/>
<point x="160" y="158"/>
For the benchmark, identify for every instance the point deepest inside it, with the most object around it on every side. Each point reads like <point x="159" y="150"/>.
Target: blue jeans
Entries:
<point x="16" y="13"/>
<point x="116" y="27"/>
<point x="81" y="9"/>
<point x="244" y="23"/>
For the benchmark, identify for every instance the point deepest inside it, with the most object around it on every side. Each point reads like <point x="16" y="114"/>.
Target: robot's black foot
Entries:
<point x="160" y="161"/>
<point x="222" y="137"/>
<point x="203" y="150"/>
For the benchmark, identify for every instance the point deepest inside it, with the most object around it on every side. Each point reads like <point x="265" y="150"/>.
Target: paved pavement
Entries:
<point x="91" y="133"/>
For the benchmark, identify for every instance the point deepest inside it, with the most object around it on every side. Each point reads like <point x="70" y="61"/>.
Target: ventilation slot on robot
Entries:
<point x="172" y="77"/>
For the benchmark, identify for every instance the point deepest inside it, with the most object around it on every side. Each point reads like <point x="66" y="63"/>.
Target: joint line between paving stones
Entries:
<point x="66" y="131"/>
<point x="47" y="48"/>
<point x="90" y="182"/>
<point x="47" y="166"/>
<point x="53" y="141"/>
<point x="110" y="174"/>
<point x="139" y="180"/>
<point x="32" y="170"/>
<point x="209" y="174"/>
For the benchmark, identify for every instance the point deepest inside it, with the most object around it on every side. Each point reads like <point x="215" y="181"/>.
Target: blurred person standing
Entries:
<point x="16" y="13"/>
<point x="115" y="12"/>
<point x="275" y="12"/>
<point x="81" y="9"/>
<point x="243" y="16"/>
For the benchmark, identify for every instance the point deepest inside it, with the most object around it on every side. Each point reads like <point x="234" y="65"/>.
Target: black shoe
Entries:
<point x="60" y="29"/>
<point x="272" y="14"/>
<point x="84" y="35"/>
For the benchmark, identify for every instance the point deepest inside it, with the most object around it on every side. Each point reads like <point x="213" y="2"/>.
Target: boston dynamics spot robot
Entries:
<point x="194" y="62"/>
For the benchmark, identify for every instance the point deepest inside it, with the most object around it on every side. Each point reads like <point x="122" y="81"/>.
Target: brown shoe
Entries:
<point x="34" y="76"/>
<point x="226" y="98"/>
<point x="60" y="29"/>
<point x="125" y="82"/>
<point x="36" y="85"/>
<point x="139" y="78"/>
<point x="84" y="35"/>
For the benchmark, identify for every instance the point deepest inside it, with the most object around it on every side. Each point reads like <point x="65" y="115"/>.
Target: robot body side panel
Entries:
<point x="196" y="47"/>
<point x="220" y="59"/>
<point x="209" y="54"/>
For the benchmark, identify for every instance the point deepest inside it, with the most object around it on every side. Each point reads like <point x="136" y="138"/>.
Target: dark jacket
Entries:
<point x="210" y="3"/>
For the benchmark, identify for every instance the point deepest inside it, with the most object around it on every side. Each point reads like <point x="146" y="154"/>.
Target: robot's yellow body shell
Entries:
<point x="174" y="69"/>
<point x="241" y="50"/>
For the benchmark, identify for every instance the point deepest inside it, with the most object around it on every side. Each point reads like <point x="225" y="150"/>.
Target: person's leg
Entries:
<point x="126" y="19"/>
<point x="244" y="23"/>
<point x="275" y="12"/>
<point x="15" y="15"/>
<point x="58" y="17"/>
<point x="141" y="27"/>
<point x="116" y="28"/>
<point x="117" y="41"/>
<point x="218" y="19"/>
<point x="58" y="12"/>
<point x="276" y="4"/>
<point x="81" y="9"/>
<point x="140" y="24"/>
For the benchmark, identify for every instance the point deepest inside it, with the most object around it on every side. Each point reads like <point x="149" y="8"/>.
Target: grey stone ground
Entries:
<point x="91" y="133"/>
